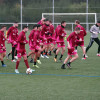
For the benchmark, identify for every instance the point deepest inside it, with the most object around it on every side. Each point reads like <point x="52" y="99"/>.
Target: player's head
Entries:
<point x="98" y="23"/>
<point x="77" y="22"/>
<point x="15" y="24"/>
<point x="25" y="28"/>
<point x="39" y="27"/>
<point x="3" y="27"/>
<point x="63" y="24"/>
<point x="77" y="30"/>
<point x="35" y="27"/>
<point x="47" y="22"/>
<point x="43" y="20"/>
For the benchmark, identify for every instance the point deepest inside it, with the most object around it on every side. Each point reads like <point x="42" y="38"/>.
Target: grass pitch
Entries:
<point x="50" y="82"/>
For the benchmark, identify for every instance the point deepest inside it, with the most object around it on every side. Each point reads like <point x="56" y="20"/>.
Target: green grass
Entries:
<point x="51" y="87"/>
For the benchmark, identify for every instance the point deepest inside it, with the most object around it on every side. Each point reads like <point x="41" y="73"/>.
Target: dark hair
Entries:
<point x="98" y="21"/>
<point x="77" y="29"/>
<point x="46" y="20"/>
<point x="38" y="25"/>
<point x="77" y="21"/>
<point x="15" y="22"/>
<point x="50" y="21"/>
<point x="34" y="26"/>
<point x="63" y="22"/>
<point x="25" y="26"/>
<point x="2" y="26"/>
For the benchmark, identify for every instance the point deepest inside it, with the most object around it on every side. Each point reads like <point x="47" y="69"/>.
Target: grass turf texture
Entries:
<point x="51" y="87"/>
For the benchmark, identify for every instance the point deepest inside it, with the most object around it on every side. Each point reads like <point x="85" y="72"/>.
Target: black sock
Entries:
<point x="38" y="58"/>
<point x="9" y="54"/>
<point x="13" y="51"/>
<point x="34" y="63"/>
<point x="84" y="55"/>
<point x="42" y="52"/>
<point x="69" y="62"/>
<point x="55" y="56"/>
<point x="16" y="53"/>
<point x="45" y="53"/>
<point x="61" y="56"/>
<point x="63" y="64"/>
<point x="2" y="62"/>
<point x="27" y="56"/>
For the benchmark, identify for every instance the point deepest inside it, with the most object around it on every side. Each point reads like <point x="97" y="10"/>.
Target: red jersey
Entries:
<point x="46" y="31"/>
<point x="40" y="23"/>
<point x="21" y="41"/>
<point x="31" y="39"/>
<point x="60" y="32"/>
<point x="2" y="40"/>
<point x="82" y="32"/>
<point x="12" y="34"/>
<point x="72" y="39"/>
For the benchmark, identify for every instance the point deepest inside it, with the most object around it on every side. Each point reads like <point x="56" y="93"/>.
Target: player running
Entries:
<point x="60" y="32"/>
<point x="94" y="37"/>
<point x="72" y="41"/>
<point x="12" y="36"/>
<point x="2" y="45"/>
<point x="21" y="52"/>
<point x="81" y="37"/>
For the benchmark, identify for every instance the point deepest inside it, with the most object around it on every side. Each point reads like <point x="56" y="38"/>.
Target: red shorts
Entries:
<point x="37" y="49"/>
<point x="2" y="50"/>
<point x="21" y="53"/>
<point x="54" y="42"/>
<point x="72" y="51"/>
<point x="60" y="44"/>
<point x="80" y="43"/>
<point x="31" y="48"/>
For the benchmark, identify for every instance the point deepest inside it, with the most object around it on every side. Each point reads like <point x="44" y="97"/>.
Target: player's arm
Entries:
<point x="92" y="30"/>
<point x="8" y="33"/>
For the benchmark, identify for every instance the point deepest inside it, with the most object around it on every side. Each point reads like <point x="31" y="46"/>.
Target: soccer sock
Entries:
<point x="45" y="53"/>
<point x="9" y="54"/>
<point x="17" y="64"/>
<point x="61" y="56"/>
<point x="16" y="53"/>
<point x="13" y="50"/>
<point x="38" y="58"/>
<point x="34" y="63"/>
<point x="42" y="52"/>
<point x="55" y="56"/>
<point x="2" y="62"/>
<point x="69" y="62"/>
<point x="63" y="65"/>
<point x="26" y="63"/>
<point x="84" y="55"/>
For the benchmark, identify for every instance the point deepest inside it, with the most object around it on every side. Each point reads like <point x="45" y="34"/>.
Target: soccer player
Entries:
<point x="46" y="33"/>
<point x="81" y="37"/>
<point x="42" y="21"/>
<point x="94" y="30"/>
<point x="21" y="52"/>
<point x="37" y="43"/>
<point x="60" y="31"/>
<point x="12" y="36"/>
<point x="71" y="40"/>
<point x="2" y="45"/>
<point x="31" y="43"/>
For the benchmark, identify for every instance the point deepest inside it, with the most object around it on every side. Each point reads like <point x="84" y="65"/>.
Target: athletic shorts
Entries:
<point x="60" y="44"/>
<point x="31" y="48"/>
<point x="37" y="49"/>
<point x="2" y="50"/>
<point x="21" y="53"/>
<point x="48" y="41"/>
<point x="72" y="51"/>
<point x="80" y="43"/>
<point x="54" y="42"/>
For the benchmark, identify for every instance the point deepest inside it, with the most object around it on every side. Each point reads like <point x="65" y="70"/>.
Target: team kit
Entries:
<point x="44" y="40"/>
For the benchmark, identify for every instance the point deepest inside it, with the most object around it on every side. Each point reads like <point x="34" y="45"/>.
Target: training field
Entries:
<point x="50" y="82"/>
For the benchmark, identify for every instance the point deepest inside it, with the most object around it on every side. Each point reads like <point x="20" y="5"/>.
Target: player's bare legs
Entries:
<point x="84" y="53"/>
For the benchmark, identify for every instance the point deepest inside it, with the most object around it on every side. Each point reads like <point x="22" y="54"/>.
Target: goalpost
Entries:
<point x="71" y="17"/>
